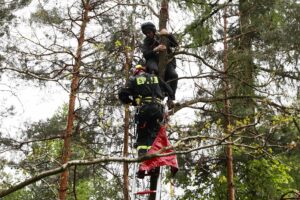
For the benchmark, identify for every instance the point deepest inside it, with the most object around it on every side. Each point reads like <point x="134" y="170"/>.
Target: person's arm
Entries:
<point x="147" y="50"/>
<point x="125" y="94"/>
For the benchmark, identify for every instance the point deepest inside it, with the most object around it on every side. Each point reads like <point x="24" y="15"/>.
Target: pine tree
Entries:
<point x="253" y="56"/>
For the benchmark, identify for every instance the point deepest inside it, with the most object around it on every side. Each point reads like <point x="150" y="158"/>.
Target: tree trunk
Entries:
<point x="243" y="69"/>
<point x="229" y="158"/>
<point x="129" y="41"/>
<point x="126" y="134"/>
<point x="163" y="57"/>
<point x="71" y="114"/>
<point x="125" y="154"/>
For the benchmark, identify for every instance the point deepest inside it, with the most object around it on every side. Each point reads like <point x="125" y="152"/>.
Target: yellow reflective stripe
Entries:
<point x="150" y="99"/>
<point x="154" y="79"/>
<point x="138" y="101"/>
<point x="147" y="98"/>
<point x="140" y="80"/>
<point x="143" y="147"/>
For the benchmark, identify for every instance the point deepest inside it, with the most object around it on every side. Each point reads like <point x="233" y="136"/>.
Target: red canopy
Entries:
<point x="160" y="142"/>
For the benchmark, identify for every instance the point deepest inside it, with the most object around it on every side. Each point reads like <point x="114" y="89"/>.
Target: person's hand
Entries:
<point x="163" y="32"/>
<point x="160" y="47"/>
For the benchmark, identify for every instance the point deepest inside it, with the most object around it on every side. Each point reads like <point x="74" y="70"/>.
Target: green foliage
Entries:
<point x="47" y="16"/>
<point x="199" y="35"/>
<point x="200" y="29"/>
<point x="98" y="187"/>
<point x="84" y="190"/>
<point x="51" y="127"/>
<point x="7" y="10"/>
<point x="274" y="179"/>
<point x="254" y="179"/>
<point x="258" y="173"/>
<point x="20" y="194"/>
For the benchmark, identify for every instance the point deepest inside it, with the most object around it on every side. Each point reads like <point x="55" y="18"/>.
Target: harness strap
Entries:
<point x="151" y="100"/>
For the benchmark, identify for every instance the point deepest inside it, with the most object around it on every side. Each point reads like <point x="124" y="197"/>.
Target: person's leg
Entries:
<point x="141" y="147"/>
<point x="153" y="182"/>
<point x="152" y="66"/>
<point x="171" y="76"/>
<point x="145" y="117"/>
<point x="142" y="130"/>
<point x="142" y="139"/>
<point x="149" y="118"/>
<point x="152" y="114"/>
<point x="155" y="116"/>
<point x="144" y="127"/>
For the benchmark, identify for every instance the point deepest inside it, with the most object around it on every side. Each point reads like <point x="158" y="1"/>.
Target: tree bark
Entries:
<point x="163" y="57"/>
<point x="244" y="68"/>
<point x="125" y="154"/>
<point x="229" y="158"/>
<point x="126" y="134"/>
<point x="71" y="111"/>
<point x="129" y="42"/>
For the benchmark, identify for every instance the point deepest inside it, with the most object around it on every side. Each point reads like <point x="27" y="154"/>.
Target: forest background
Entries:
<point x="236" y="132"/>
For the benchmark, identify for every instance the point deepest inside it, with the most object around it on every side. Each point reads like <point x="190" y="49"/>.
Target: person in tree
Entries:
<point x="151" y="48"/>
<point x="146" y="91"/>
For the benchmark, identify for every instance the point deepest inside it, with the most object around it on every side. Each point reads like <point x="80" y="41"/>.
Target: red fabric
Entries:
<point x="146" y="192"/>
<point x="160" y="142"/>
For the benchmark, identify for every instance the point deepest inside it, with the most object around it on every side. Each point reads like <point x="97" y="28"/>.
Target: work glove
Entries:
<point x="160" y="47"/>
<point x="163" y="32"/>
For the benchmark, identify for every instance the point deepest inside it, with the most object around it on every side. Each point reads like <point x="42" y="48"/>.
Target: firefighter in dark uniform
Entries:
<point x="146" y="91"/>
<point x="151" y="48"/>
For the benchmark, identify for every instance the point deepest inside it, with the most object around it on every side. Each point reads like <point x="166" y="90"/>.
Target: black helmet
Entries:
<point x="148" y="26"/>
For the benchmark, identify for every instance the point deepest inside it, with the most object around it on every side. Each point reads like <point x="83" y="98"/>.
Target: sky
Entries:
<point x="31" y="103"/>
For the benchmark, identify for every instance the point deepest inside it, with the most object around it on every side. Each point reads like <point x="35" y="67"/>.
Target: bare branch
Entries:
<point x="198" y="57"/>
<point x="143" y="5"/>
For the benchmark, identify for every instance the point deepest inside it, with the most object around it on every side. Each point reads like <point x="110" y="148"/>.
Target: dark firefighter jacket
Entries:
<point x="150" y="43"/>
<point x="145" y="87"/>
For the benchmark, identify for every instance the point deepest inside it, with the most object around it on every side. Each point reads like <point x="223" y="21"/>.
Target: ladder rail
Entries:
<point x="139" y="187"/>
<point x="135" y="180"/>
<point x="159" y="185"/>
<point x="133" y="184"/>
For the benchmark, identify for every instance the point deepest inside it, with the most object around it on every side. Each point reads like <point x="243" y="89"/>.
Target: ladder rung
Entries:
<point x="146" y="192"/>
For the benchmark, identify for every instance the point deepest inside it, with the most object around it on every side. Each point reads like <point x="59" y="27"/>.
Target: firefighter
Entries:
<point x="151" y="48"/>
<point x="146" y="91"/>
